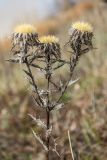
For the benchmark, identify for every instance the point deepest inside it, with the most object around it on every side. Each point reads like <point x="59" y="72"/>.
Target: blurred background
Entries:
<point x="85" y="111"/>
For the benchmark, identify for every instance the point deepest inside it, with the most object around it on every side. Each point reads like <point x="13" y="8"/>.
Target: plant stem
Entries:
<point x="48" y="137"/>
<point x="48" y="77"/>
<point x="48" y="119"/>
<point x="73" y="63"/>
<point x="33" y="81"/>
<point x="31" y="75"/>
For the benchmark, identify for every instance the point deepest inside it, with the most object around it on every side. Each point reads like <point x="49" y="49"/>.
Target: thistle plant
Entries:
<point x="44" y="54"/>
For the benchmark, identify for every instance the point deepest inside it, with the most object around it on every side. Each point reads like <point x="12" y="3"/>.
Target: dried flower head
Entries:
<point x="25" y="28"/>
<point x="24" y="36"/>
<point x="49" y="39"/>
<point x="81" y="34"/>
<point x="50" y="45"/>
<point x="83" y="27"/>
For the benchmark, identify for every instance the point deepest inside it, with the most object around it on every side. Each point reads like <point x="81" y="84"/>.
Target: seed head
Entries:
<point x="81" y="34"/>
<point x="49" y="39"/>
<point x="24" y="36"/>
<point x="25" y="29"/>
<point x="50" y="46"/>
<point x="82" y="26"/>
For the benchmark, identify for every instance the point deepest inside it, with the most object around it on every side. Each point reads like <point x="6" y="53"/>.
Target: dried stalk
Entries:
<point x="49" y="53"/>
<point x="70" y="145"/>
<point x="48" y="77"/>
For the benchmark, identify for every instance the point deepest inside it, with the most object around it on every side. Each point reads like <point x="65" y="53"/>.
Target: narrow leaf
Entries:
<point x="40" y="141"/>
<point x="72" y="82"/>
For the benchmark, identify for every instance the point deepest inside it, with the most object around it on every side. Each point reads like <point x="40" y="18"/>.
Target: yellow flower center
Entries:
<point x="25" y="28"/>
<point x="82" y="26"/>
<point x="49" y="39"/>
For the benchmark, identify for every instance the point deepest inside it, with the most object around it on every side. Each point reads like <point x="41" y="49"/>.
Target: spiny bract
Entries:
<point x="82" y="26"/>
<point x="49" y="39"/>
<point x="25" y="28"/>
